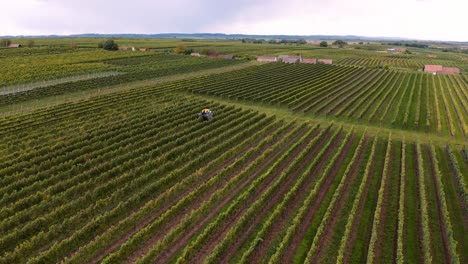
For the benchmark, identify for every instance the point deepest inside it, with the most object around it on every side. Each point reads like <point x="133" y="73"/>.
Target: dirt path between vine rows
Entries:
<point x="300" y="232"/>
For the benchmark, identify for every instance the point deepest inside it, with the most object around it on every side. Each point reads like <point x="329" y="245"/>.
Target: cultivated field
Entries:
<point x="302" y="163"/>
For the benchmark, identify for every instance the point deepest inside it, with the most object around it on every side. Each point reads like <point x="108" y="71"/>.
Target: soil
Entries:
<point x="443" y="227"/>
<point x="280" y="224"/>
<point x="383" y="214"/>
<point x="327" y="235"/>
<point x="230" y="251"/>
<point x="355" y="227"/>
<point x="181" y="241"/>
<point x="157" y="213"/>
<point x="300" y="232"/>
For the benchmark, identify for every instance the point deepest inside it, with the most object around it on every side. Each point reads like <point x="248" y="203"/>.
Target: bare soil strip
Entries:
<point x="280" y="223"/>
<point x="383" y="213"/>
<point x="354" y="231"/>
<point x="327" y="235"/>
<point x="443" y="227"/>
<point x="300" y="232"/>
<point x="181" y="241"/>
<point x="157" y="213"/>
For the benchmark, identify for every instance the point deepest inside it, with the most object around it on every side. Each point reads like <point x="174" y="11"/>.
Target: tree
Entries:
<point x="30" y="43"/>
<point x="110" y="45"/>
<point x="323" y="44"/>
<point x="340" y="43"/>
<point x="301" y="41"/>
<point x="5" y="42"/>
<point x="188" y="51"/>
<point x="180" y="48"/>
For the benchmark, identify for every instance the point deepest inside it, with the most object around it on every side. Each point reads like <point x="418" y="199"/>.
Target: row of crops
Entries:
<point x="410" y="101"/>
<point x="31" y="65"/>
<point x="130" y="69"/>
<point x="134" y="176"/>
<point x="400" y="61"/>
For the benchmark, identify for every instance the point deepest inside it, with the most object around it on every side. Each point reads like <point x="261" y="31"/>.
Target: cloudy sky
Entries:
<point x="418" y="19"/>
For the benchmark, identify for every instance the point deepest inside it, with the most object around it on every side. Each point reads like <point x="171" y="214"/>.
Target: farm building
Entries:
<point x="432" y="68"/>
<point x="440" y="69"/>
<point x="432" y="56"/>
<point x="14" y="46"/>
<point x="291" y="60"/>
<point x="325" y="61"/>
<point x="309" y="61"/>
<point x="450" y="70"/>
<point x="126" y="48"/>
<point x="195" y="54"/>
<point x="144" y="49"/>
<point x="267" y="59"/>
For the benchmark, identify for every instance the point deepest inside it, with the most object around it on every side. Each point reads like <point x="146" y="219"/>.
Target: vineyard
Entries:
<point x="332" y="174"/>
<point x="410" y="101"/>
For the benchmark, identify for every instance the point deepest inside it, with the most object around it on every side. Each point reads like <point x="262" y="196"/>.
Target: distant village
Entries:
<point x="293" y="59"/>
<point x="429" y="68"/>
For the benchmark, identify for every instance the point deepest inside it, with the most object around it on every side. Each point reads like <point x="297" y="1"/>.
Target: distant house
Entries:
<point x="435" y="69"/>
<point x="325" y="61"/>
<point x="195" y="54"/>
<point x="290" y="60"/>
<point x="125" y="48"/>
<point x="450" y="70"/>
<point x="313" y="42"/>
<point x="309" y="61"/>
<point x="14" y="46"/>
<point x="267" y="59"/>
<point x="395" y="50"/>
<point x="432" y="56"/>
<point x="144" y="49"/>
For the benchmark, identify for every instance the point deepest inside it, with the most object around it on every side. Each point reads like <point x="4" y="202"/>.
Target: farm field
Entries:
<point x="302" y="163"/>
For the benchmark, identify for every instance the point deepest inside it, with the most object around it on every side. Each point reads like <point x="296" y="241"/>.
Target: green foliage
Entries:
<point x="30" y="43"/>
<point x="110" y="44"/>
<point x="180" y="48"/>
<point x="129" y="174"/>
<point x="323" y="44"/>
<point x="340" y="43"/>
<point x="5" y="42"/>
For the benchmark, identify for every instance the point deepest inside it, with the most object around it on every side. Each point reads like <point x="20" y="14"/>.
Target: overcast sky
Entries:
<point x="417" y="19"/>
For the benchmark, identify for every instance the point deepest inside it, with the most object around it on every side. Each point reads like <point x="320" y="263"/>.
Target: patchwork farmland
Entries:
<point x="301" y="163"/>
